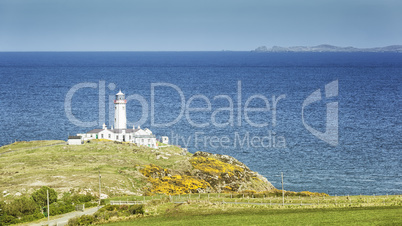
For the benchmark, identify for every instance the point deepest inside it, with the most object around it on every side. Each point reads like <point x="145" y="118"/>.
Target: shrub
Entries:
<point x="60" y="207"/>
<point x="105" y="213"/>
<point x="83" y="220"/>
<point x="2" y="205"/>
<point x="8" y="219"/>
<point x="32" y="217"/>
<point x="136" y="209"/>
<point x="90" y="204"/>
<point x="86" y="220"/>
<point x="21" y="207"/>
<point x="123" y="207"/>
<point x="109" y="207"/>
<point x="214" y="166"/>
<point x="154" y="171"/>
<point x="40" y="196"/>
<point x="78" y="198"/>
<point x="175" y="184"/>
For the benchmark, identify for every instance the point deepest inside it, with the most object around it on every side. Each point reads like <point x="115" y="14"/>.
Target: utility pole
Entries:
<point x="283" y="192"/>
<point x="47" y="195"/>
<point x="99" y="188"/>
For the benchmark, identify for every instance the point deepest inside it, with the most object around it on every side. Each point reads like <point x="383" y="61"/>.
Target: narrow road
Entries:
<point x="63" y="219"/>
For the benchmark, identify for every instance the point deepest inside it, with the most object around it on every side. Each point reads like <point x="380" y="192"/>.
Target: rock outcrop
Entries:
<point x="207" y="173"/>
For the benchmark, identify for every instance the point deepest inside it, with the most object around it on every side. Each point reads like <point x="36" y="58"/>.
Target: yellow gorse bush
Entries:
<point x="309" y="193"/>
<point x="177" y="185"/>
<point x="173" y="185"/>
<point x="153" y="170"/>
<point x="213" y="166"/>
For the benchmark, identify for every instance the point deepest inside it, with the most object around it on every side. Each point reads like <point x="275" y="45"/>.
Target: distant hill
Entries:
<point x="328" y="48"/>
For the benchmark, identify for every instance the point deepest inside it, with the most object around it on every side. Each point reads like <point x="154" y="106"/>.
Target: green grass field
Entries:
<point x="254" y="216"/>
<point x="29" y="145"/>
<point x="221" y="209"/>
<point x="33" y="164"/>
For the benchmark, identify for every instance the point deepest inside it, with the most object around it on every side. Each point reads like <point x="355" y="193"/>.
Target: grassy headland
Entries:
<point x="126" y="169"/>
<point x="177" y="187"/>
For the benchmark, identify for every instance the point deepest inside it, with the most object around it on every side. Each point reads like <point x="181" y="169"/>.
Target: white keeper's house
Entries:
<point x="141" y="137"/>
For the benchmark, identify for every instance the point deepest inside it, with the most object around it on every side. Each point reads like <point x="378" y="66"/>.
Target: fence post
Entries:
<point x="283" y="192"/>
<point x="335" y="199"/>
<point x="47" y="195"/>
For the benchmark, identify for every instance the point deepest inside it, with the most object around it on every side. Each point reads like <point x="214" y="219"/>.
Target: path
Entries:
<point x="63" y="219"/>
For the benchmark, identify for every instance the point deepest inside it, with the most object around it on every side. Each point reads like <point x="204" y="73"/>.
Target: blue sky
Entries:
<point x="204" y="25"/>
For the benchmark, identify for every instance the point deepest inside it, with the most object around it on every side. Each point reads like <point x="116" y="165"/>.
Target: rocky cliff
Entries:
<point x="206" y="173"/>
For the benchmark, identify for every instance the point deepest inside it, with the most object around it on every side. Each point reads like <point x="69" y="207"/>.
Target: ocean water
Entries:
<point x="164" y="86"/>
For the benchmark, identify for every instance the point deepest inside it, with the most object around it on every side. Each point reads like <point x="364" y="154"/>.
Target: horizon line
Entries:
<point x="222" y="50"/>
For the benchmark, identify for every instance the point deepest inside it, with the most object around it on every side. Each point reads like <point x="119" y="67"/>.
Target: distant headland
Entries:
<point x="328" y="48"/>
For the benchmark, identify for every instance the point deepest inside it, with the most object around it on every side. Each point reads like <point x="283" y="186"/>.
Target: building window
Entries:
<point x="149" y="140"/>
<point x="142" y="140"/>
<point x="129" y="137"/>
<point x="91" y="135"/>
<point x="109" y="135"/>
<point x="117" y="137"/>
<point x="102" y="136"/>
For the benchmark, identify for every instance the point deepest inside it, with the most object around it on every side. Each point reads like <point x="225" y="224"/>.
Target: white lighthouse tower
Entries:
<point x="120" y="120"/>
<point x="120" y="133"/>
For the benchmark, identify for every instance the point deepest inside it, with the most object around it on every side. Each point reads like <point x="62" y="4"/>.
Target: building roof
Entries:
<point x="144" y="136"/>
<point x="114" y="130"/>
<point x="120" y="93"/>
<point x="95" y="131"/>
<point x="127" y="130"/>
<point x="74" y="137"/>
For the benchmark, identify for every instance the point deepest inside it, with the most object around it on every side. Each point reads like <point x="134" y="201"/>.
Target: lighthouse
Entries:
<point x="120" y="120"/>
<point x="120" y="133"/>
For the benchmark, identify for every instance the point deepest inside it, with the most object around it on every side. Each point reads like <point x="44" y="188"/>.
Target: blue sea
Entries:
<point x="245" y="104"/>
